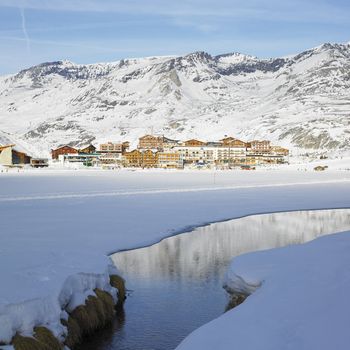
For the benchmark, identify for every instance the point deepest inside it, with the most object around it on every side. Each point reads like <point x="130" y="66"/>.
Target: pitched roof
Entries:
<point x="6" y="146"/>
<point x="63" y="147"/>
<point x="86" y="146"/>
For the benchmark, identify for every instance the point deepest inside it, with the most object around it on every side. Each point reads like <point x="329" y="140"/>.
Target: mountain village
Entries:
<point x="157" y="151"/>
<point x="176" y="194"/>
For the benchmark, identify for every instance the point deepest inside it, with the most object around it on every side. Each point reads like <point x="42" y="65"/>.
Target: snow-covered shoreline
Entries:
<point x="298" y="300"/>
<point x="59" y="237"/>
<point x="48" y="311"/>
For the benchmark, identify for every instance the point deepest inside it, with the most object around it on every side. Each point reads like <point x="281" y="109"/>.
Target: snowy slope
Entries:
<point x="301" y="101"/>
<point x="7" y="139"/>
<point x="301" y="303"/>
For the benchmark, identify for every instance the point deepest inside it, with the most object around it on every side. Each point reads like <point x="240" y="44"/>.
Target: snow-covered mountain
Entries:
<point x="301" y="101"/>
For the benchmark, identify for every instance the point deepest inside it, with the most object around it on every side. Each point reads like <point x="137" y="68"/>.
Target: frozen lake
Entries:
<point x="176" y="285"/>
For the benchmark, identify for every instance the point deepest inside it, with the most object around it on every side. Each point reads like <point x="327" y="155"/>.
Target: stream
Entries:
<point x="175" y="286"/>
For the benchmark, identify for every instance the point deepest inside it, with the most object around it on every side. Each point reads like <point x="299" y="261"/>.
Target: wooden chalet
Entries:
<point x="88" y="149"/>
<point x="111" y="147"/>
<point x="138" y="159"/>
<point x="169" y="143"/>
<point x="170" y="160"/>
<point x="9" y="156"/>
<point x="227" y="140"/>
<point x="149" y="159"/>
<point x="233" y="142"/>
<point x="194" y="143"/>
<point x="132" y="159"/>
<point x="63" y="150"/>
<point x="280" y="150"/>
<point x="125" y="146"/>
<point x="151" y="142"/>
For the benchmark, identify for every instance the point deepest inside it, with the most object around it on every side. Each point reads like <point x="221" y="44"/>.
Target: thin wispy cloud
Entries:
<point x="68" y="44"/>
<point x="24" y="27"/>
<point x="86" y="31"/>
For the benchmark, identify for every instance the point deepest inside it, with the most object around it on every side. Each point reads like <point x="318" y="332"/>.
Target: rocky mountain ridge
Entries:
<point x="301" y="102"/>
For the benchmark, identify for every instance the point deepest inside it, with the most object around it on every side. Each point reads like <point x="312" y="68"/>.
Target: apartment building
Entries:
<point x="111" y="147"/>
<point x="149" y="142"/>
<point x="170" y="160"/>
<point x="140" y="159"/>
<point x="233" y="143"/>
<point x="259" y="147"/>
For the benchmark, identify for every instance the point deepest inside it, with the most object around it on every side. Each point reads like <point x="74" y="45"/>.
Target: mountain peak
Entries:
<point x="234" y="58"/>
<point x="198" y="56"/>
<point x="299" y="101"/>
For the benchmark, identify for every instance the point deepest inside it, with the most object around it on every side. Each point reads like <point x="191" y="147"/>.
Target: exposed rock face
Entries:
<point x="301" y="101"/>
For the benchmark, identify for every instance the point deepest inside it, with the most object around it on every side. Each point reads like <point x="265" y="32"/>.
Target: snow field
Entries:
<point x="57" y="228"/>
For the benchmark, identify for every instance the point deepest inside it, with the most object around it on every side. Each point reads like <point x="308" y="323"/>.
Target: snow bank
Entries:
<point x="301" y="300"/>
<point x="24" y="316"/>
<point x="78" y="287"/>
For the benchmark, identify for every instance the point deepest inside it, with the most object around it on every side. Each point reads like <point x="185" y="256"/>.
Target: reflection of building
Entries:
<point x="55" y="153"/>
<point x="220" y="242"/>
<point x="9" y="156"/>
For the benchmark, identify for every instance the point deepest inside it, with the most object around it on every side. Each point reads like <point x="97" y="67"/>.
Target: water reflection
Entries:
<point x="103" y="339"/>
<point x="206" y="250"/>
<point x="177" y="283"/>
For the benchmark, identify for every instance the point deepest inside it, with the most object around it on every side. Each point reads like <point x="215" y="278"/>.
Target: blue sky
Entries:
<point x="87" y="31"/>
